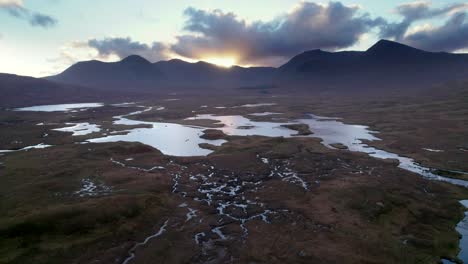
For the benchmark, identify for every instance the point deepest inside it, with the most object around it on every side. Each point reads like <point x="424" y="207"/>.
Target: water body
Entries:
<point x="433" y="150"/>
<point x="333" y="131"/>
<point x="255" y="105"/>
<point x="80" y="129"/>
<point x="125" y="104"/>
<point x="181" y="140"/>
<point x="59" y="107"/>
<point x="242" y="126"/>
<point x="265" y="114"/>
<point x="171" y="139"/>
<point x="131" y="252"/>
<point x="462" y="228"/>
<point x="38" y="146"/>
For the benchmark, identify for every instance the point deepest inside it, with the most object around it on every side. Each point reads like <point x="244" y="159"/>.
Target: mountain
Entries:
<point x="386" y="64"/>
<point x="131" y="71"/>
<point x="134" y="72"/>
<point x="19" y="91"/>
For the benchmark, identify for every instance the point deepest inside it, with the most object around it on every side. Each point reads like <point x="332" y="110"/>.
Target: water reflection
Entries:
<point x="181" y="140"/>
<point x="170" y="139"/>
<point x="462" y="228"/>
<point x="332" y="131"/>
<point x="59" y="107"/>
<point x="38" y="146"/>
<point x="264" y="114"/>
<point x="79" y="129"/>
<point x="241" y="126"/>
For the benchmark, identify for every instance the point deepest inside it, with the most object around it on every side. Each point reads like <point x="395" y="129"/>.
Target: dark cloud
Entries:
<point x="451" y="36"/>
<point x="38" y="19"/>
<point x="16" y="9"/>
<point x="395" y="31"/>
<point x="415" y="11"/>
<point x="423" y="10"/>
<point x="123" y="47"/>
<point x="308" y="26"/>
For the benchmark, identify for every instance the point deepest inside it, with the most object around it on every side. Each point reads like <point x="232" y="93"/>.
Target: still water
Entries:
<point x="59" y="107"/>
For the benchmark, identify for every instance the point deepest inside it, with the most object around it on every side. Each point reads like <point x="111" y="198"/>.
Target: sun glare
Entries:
<point x="226" y="62"/>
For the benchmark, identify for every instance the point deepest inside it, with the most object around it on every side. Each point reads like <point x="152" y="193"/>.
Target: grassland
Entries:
<point x="355" y="209"/>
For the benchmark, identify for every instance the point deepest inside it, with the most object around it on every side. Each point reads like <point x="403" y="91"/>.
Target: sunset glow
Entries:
<point x="208" y="131"/>
<point x="226" y="62"/>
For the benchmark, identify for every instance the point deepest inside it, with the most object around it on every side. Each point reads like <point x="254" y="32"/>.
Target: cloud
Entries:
<point x="415" y="11"/>
<point x="17" y="9"/>
<point x="333" y="26"/>
<point x="73" y="52"/>
<point x="422" y="10"/>
<point x="107" y="49"/>
<point x="11" y="3"/>
<point x="451" y="36"/>
<point x="45" y="21"/>
<point x="123" y="47"/>
<point x="308" y="26"/>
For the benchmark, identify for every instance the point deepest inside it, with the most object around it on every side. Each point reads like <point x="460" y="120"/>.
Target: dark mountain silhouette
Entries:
<point x="134" y="72"/>
<point x="130" y="72"/>
<point x="390" y="49"/>
<point x="19" y="91"/>
<point x="385" y="67"/>
<point x="386" y="64"/>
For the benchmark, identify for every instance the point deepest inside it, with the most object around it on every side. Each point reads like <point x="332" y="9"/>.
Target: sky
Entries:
<point x="44" y="37"/>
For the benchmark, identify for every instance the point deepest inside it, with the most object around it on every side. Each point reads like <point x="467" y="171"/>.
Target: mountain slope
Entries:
<point x="107" y="75"/>
<point x="387" y="64"/>
<point x="19" y="91"/>
<point x="135" y="72"/>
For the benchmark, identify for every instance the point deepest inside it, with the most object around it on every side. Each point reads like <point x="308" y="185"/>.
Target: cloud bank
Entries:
<point x="332" y="26"/>
<point x="17" y="9"/>
<point x="308" y="26"/>
<point x="123" y="47"/>
<point x="451" y="36"/>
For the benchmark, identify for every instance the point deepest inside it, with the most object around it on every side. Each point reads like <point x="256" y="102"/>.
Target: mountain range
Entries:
<point x="135" y="72"/>
<point x="386" y="66"/>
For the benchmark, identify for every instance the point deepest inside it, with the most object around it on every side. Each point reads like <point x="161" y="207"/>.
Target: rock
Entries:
<point x="302" y="129"/>
<point x="208" y="146"/>
<point x="392" y="161"/>
<point x="213" y="134"/>
<point x="245" y="127"/>
<point x="339" y="146"/>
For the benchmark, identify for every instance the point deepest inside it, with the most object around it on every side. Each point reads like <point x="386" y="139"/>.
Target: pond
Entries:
<point x="59" y="107"/>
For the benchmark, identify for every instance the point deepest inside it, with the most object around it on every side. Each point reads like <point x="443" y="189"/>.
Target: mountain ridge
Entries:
<point x="17" y="91"/>
<point x="386" y="62"/>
